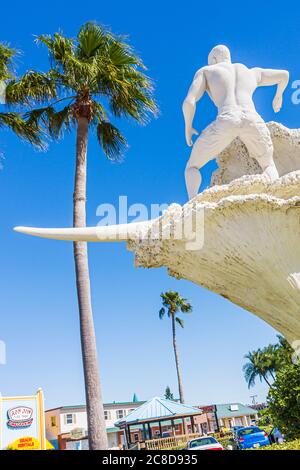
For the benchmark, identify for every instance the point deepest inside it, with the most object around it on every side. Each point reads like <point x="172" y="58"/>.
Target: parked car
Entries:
<point x="251" y="437"/>
<point x="235" y="429"/>
<point x="204" y="443"/>
<point x="276" y="437"/>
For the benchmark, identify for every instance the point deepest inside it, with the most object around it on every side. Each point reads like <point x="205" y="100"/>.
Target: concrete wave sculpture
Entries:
<point x="249" y="251"/>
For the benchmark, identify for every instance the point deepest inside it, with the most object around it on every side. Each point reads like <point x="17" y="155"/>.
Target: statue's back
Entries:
<point x="230" y="84"/>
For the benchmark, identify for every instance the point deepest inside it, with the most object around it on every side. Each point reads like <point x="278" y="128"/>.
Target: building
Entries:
<point x="227" y="415"/>
<point x="66" y="426"/>
<point x="159" y="418"/>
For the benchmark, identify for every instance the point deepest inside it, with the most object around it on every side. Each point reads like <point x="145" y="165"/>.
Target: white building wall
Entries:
<point x="79" y="421"/>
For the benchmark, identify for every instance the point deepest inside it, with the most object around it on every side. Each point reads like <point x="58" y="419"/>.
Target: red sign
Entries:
<point x="20" y="417"/>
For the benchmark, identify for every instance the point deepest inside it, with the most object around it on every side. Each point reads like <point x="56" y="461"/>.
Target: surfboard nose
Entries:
<point x="109" y="233"/>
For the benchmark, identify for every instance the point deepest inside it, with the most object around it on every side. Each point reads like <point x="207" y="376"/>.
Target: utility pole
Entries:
<point x="253" y="399"/>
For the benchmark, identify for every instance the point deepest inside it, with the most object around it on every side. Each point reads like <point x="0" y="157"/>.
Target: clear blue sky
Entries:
<point x="39" y="317"/>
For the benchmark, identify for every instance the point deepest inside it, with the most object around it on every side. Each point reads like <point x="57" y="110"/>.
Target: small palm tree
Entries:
<point x="11" y="119"/>
<point x="86" y="73"/>
<point x="172" y="304"/>
<point x="258" y="366"/>
<point x="168" y="394"/>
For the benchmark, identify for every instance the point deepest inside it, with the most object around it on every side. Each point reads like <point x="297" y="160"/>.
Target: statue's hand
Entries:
<point x="277" y="103"/>
<point x="189" y="136"/>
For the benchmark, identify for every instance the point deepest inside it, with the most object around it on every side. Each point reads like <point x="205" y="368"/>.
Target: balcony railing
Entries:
<point x="171" y="443"/>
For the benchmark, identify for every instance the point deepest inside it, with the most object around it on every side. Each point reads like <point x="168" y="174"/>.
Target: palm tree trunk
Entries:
<point x="180" y="388"/>
<point x="266" y="380"/>
<point x="95" y="415"/>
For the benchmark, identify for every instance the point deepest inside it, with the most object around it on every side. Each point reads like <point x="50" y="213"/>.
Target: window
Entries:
<point x="69" y="419"/>
<point x="53" y="421"/>
<point x="205" y="441"/>
<point x="234" y="407"/>
<point x="247" y="431"/>
<point x="120" y="414"/>
<point x="107" y="414"/>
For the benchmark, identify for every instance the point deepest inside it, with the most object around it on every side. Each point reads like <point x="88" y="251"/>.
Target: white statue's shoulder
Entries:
<point x="202" y="70"/>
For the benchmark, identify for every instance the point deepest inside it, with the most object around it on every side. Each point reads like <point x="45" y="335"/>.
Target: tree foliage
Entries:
<point x="168" y="394"/>
<point x="266" y="362"/>
<point x="13" y="119"/>
<point x="95" y="75"/>
<point x="173" y="303"/>
<point x="284" y="400"/>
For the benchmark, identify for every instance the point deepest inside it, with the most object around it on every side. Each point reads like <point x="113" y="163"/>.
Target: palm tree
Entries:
<point x="269" y="359"/>
<point x="172" y="304"/>
<point x="257" y="366"/>
<point x="283" y="353"/>
<point x="85" y="73"/>
<point x="168" y="394"/>
<point x="11" y="119"/>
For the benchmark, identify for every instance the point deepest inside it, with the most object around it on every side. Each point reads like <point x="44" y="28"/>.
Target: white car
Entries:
<point x="204" y="443"/>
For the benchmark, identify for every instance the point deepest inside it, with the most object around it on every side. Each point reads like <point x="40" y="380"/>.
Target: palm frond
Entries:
<point x="99" y="113"/>
<point x="52" y="121"/>
<point x="91" y="37"/>
<point x="25" y="129"/>
<point x="7" y="54"/>
<point x="32" y="86"/>
<point x="61" y="121"/>
<point x="61" y="48"/>
<point x="180" y="321"/>
<point x="161" y="313"/>
<point x="121" y="54"/>
<point x="111" y="140"/>
<point x="185" y="306"/>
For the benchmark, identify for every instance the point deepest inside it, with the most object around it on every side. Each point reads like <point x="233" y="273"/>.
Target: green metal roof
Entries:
<point x="111" y="430"/>
<point x="157" y="409"/>
<point x="124" y="403"/>
<point x="227" y="410"/>
<point x="117" y="403"/>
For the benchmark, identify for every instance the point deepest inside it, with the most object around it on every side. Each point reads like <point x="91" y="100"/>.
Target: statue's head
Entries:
<point x="219" y="54"/>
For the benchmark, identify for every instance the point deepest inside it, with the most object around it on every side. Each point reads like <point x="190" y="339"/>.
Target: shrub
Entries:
<point x="290" y="445"/>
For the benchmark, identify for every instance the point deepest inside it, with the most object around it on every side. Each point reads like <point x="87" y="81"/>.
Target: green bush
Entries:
<point x="290" y="445"/>
<point x="284" y="401"/>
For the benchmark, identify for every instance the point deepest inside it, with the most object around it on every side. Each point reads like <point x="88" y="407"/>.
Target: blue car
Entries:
<point x="251" y="437"/>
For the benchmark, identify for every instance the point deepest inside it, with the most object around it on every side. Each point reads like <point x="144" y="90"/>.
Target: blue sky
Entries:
<point x="38" y="298"/>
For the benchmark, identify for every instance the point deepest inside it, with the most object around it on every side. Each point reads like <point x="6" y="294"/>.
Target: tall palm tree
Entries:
<point x="257" y="367"/>
<point x="11" y="119"/>
<point x="173" y="303"/>
<point x="87" y="72"/>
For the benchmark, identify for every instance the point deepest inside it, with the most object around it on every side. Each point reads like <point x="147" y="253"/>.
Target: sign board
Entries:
<point x="77" y="433"/>
<point x="208" y="409"/>
<point x="22" y="422"/>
